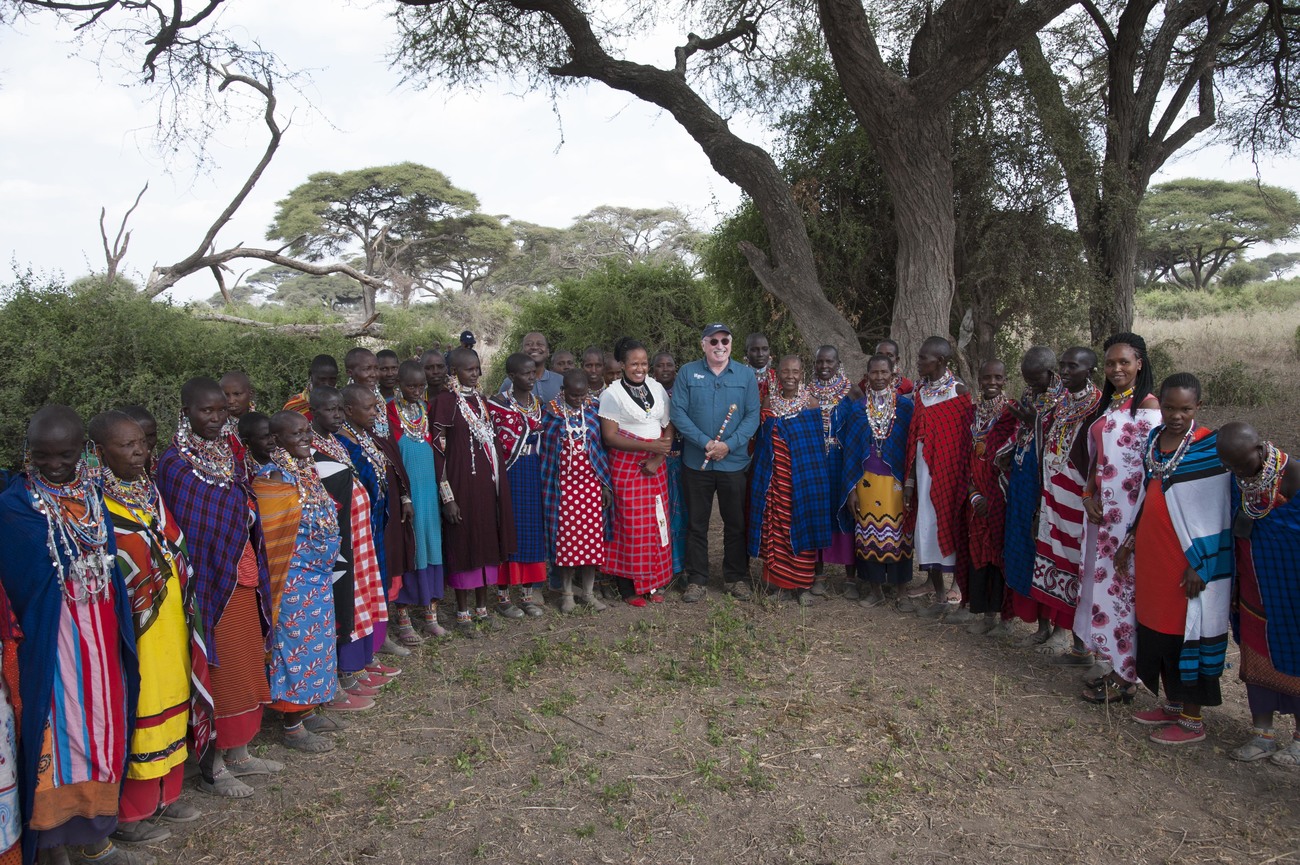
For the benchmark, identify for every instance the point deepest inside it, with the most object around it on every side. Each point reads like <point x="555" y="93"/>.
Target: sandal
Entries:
<point x="226" y="785"/>
<point x="1073" y="659"/>
<point x="1110" y="691"/>
<point x="1288" y="756"/>
<point x="1259" y="747"/>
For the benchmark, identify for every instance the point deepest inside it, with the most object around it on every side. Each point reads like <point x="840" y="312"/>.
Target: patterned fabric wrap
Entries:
<point x="520" y="438"/>
<point x="303" y="655"/>
<point x="369" y="605"/>
<point x="376" y="497"/>
<point x="882" y="534"/>
<point x="217" y="523"/>
<point x="945" y="429"/>
<point x="301" y="403"/>
<point x="810" y="507"/>
<point x="136" y="552"/>
<point x="1024" y="487"/>
<point x="986" y="532"/>
<point x="27" y="576"/>
<point x="1199" y="497"/>
<point x="551" y="449"/>
<point x="1274" y="551"/>
<point x="1105" y="618"/>
<point x="640" y="549"/>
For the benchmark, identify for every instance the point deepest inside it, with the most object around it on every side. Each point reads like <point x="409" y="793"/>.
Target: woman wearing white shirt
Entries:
<point x="635" y="428"/>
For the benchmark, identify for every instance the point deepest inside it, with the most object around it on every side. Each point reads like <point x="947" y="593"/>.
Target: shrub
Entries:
<point x="1236" y="384"/>
<point x="100" y="348"/>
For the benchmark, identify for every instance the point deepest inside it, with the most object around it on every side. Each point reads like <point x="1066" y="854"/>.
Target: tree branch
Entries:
<point x="694" y="43"/>
<point x="113" y="256"/>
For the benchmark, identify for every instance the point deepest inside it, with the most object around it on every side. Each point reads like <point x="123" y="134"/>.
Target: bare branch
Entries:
<point x="221" y="284"/>
<point x="695" y="43"/>
<point x="1103" y="26"/>
<point x="370" y="327"/>
<point x="113" y="255"/>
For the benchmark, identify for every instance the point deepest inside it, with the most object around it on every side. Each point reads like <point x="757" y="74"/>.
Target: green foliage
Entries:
<point x="99" y="348"/>
<point x="663" y="306"/>
<point x="1170" y="304"/>
<point x="1191" y="228"/>
<point x="419" y="327"/>
<point x="1237" y="384"/>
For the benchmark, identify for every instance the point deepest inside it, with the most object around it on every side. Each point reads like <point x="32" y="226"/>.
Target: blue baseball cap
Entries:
<point x="715" y="328"/>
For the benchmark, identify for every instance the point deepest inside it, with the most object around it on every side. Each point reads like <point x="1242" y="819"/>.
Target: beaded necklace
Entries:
<point x="1028" y="432"/>
<point x="1117" y="399"/>
<point x="83" y="539"/>
<point x="939" y="386"/>
<point x="212" y="462"/>
<point x="1071" y="411"/>
<point x="381" y="416"/>
<point x="414" y="419"/>
<point x="640" y="394"/>
<point x="828" y="394"/>
<point x="880" y="408"/>
<point x="370" y="450"/>
<point x="332" y="448"/>
<point x="1259" y="494"/>
<point x="1160" y="466"/>
<point x="782" y="407"/>
<point x="140" y="498"/>
<point x="479" y="423"/>
<point x="575" y="423"/>
<point x="317" y="505"/>
<point x="533" y="413"/>
<point x="987" y="413"/>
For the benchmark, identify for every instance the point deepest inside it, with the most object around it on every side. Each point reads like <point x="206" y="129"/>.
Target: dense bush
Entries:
<point x="1167" y="304"/>
<point x="99" y="348"/>
<point x="663" y="306"/>
<point x="1237" y="384"/>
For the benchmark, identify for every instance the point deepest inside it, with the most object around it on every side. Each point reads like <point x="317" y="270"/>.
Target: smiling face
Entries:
<point x="207" y="413"/>
<point x="1122" y="366"/>
<point x="295" y="437"/>
<point x="826" y="364"/>
<point x="364" y="369"/>
<point x="535" y="346"/>
<point x="757" y="351"/>
<point x="125" y="450"/>
<point x="55" y="452"/>
<point x="790" y="374"/>
<point x="1178" y="407"/>
<point x="717" y="348"/>
<point x="636" y="365"/>
<point x="880" y="375"/>
<point x="993" y="379"/>
<point x="1075" y="369"/>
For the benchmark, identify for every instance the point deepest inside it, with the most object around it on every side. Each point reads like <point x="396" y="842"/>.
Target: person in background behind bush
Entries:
<point x="324" y="372"/>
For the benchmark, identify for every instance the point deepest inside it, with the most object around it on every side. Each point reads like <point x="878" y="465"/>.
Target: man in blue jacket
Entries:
<point x="715" y="411"/>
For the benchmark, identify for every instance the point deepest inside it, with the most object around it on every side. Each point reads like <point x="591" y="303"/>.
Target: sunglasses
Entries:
<point x="720" y="340"/>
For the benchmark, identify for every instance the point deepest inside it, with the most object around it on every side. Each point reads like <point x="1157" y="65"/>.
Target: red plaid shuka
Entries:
<point x="986" y="532"/>
<point x="368" y="588"/>
<point x="642" y="549"/>
<point x="945" y="429"/>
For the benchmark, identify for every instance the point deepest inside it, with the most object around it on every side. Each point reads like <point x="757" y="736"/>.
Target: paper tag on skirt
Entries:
<point x="662" y="519"/>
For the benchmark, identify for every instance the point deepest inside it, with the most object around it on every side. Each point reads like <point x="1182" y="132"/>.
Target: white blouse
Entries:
<point x="618" y="406"/>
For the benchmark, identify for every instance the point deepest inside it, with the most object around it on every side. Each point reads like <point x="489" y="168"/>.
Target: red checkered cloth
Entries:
<point x="945" y="429"/>
<point x="986" y="532"/>
<point x="642" y="548"/>
<point x="368" y="592"/>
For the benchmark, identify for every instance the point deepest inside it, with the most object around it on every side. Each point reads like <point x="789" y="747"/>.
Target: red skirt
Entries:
<point x="642" y="548"/>
<point x="580" y="533"/>
<point x="783" y="568"/>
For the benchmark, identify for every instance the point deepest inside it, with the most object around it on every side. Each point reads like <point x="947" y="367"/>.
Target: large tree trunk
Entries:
<point x="1112" y="312"/>
<point x="918" y="170"/>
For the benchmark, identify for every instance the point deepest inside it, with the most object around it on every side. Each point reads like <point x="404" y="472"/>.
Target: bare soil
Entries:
<point x="751" y="732"/>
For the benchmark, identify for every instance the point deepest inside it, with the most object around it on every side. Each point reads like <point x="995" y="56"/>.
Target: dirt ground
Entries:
<point x="750" y="732"/>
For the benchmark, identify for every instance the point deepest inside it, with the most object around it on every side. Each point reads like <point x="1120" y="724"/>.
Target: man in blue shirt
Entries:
<point x="548" y="384"/>
<point x="715" y="411"/>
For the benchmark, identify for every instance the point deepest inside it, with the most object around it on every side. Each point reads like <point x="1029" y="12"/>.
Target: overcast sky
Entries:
<point x="73" y="140"/>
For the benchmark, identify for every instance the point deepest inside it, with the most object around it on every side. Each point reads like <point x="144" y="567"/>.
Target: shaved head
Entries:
<point x="55" y="423"/>
<point x="321" y="396"/>
<point x="283" y="421"/>
<point x="1038" y="357"/>
<point x="353" y="394"/>
<point x="197" y="388"/>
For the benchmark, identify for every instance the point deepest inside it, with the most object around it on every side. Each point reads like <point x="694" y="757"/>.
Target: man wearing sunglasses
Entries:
<point x="715" y="410"/>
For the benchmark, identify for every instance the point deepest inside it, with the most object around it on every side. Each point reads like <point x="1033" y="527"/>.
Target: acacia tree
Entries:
<point x="1135" y="82"/>
<point x="1193" y="227"/>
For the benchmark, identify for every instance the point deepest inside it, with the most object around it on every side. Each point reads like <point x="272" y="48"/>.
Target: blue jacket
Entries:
<point x="700" y="402"/>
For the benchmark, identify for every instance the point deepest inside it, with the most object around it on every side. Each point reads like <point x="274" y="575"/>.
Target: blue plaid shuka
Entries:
<point x="810" y="512"/>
